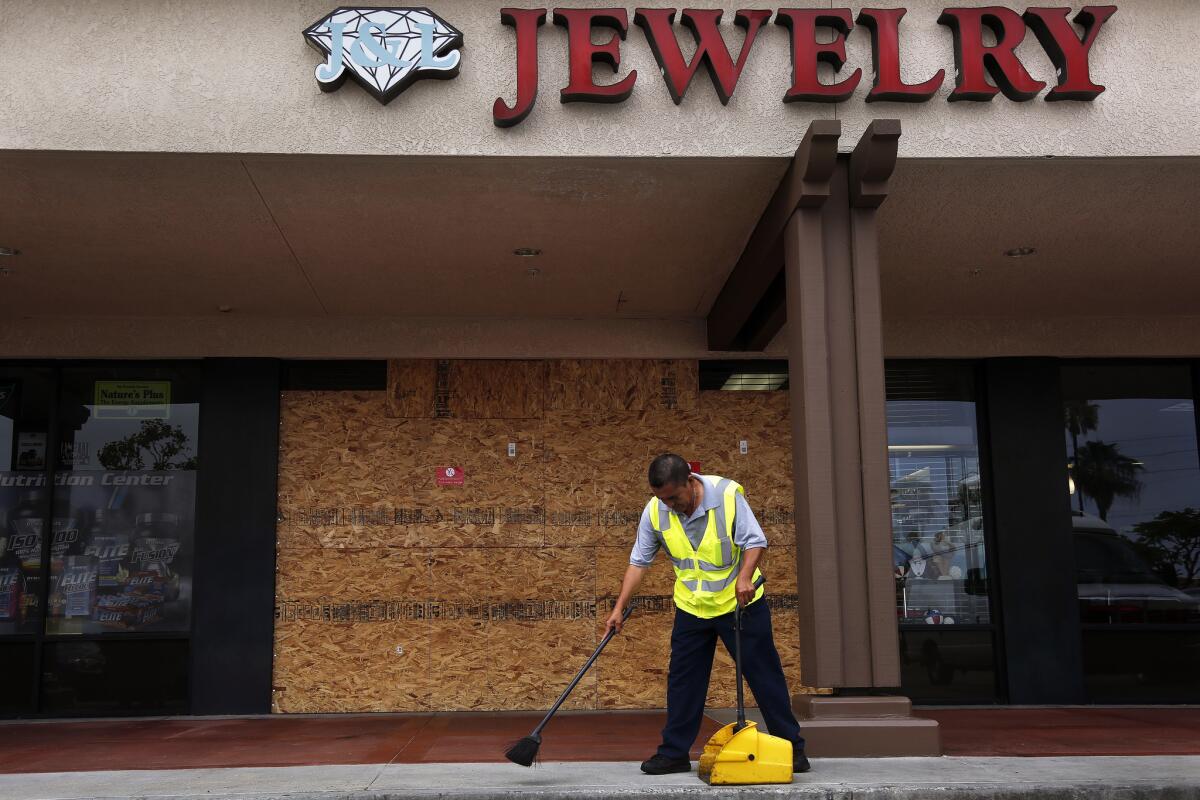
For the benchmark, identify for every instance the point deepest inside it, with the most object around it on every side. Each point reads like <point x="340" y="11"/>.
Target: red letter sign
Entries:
<point x="579" y="23"/>
<point x="884" y="24"/>
<point x="973" y="58"/>
<point x="1066" y="50"/>
<point x="710" y="46"/>
<point x="807" y="51"/>
<point x="526" y="21"/>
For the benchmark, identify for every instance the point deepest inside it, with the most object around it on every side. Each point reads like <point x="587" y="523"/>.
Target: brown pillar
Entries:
<point x="848" y="633"/>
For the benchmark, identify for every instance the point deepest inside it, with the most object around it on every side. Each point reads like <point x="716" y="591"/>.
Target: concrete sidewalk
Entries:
<point x="947" y="778"/>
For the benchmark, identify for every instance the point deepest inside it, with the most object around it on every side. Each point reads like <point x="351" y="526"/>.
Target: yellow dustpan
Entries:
<point x="739" y="753"/>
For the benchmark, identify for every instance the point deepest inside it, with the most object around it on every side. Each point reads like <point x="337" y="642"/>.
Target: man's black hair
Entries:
<point x="669" y="469"/>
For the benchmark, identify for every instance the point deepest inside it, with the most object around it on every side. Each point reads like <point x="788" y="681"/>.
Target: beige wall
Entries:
<point x="225" y="76"/>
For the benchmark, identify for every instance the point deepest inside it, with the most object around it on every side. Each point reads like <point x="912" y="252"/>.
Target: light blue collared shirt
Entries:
<point x="747" y="533"/>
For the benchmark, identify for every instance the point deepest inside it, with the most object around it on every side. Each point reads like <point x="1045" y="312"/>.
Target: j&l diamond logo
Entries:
<point x="384" y="49"/>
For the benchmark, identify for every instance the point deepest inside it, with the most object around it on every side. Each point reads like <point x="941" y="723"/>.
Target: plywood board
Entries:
<point x="321" y="668"/>
<point x="532" y="662"/>
<point x="596" y="467"/>
<point x="496" y="591"/>
<point x="494" y="389"/>
<point x="379" y="488"/>
<point x="410" y="387"/>
<point x="601" y="386"/>
<point x="611" y="563"/>
<point x="334" y="574"/>
<point x="515" y="574"/>
<point x="459" y="662"/>
<point x="633" y="671"/>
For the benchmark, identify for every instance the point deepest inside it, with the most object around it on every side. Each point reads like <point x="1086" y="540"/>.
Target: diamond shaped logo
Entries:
<point x="384" y="49"/>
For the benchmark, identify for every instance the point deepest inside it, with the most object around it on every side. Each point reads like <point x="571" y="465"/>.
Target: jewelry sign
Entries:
<point x="385" y="49"/>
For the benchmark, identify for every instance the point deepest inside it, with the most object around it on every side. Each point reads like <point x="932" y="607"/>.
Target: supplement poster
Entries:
<point x="121" y="551"/>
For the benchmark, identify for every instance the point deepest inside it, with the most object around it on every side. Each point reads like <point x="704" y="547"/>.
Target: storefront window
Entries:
<point x="124" y="503"/>
<point x="939" y="552"/>
<point x="1134" y="479"/>
<point x="24" y="496"/>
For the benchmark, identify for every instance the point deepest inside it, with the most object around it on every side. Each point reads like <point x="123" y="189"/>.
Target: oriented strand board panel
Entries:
<point x="596" y="467"/>
<point x="459" y="660"/>
<point x="532" y="662"/>
<point x="621" y="385"/>
<point x="324" y="667"/>
<point x="316" y="575"/>
<point x="373" y="482"/>
<point x="632" y="673"/>
<point x="466" y="389"/>
<point x="611" y="563"/>
<point x="397" y="593"/>
<point x="410" y="387"/>
<point x="490" y="389"/>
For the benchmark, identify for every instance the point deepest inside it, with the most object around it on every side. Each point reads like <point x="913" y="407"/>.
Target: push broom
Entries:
<point x="525" y="751"/>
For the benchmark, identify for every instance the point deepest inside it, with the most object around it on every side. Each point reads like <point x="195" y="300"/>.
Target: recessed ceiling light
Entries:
<point x="224" y="309"/>
<point x="1020" y="252"/>
<point x="527" y="252"/>
<point x="9" y="251"/>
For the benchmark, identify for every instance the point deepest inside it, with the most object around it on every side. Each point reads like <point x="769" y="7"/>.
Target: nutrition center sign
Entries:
<point x="385" y="49"/>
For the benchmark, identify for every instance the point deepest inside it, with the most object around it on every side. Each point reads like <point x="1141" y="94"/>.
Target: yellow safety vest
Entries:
<point x="705" y="576"/>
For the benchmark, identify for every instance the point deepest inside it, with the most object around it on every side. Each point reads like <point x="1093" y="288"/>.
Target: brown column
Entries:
<point x="848" y="636"/>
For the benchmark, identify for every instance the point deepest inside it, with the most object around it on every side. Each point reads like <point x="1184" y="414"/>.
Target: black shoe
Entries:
<point x="799" y="760"/>
<point x="658" y="764"/>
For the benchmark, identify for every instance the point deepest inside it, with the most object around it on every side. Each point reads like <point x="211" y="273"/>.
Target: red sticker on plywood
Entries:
<point x="449" y="476"/>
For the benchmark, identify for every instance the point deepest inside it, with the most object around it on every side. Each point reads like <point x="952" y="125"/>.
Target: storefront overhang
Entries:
<point x="351" y="256"/>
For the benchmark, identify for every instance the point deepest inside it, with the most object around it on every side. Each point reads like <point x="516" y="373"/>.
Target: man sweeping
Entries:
<point x="715" y="543"/>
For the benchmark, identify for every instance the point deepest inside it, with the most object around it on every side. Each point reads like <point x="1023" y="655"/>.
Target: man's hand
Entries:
<point x="629" y="585"/>
<point x="614" y="620"/>
<point x="745" y="590"/>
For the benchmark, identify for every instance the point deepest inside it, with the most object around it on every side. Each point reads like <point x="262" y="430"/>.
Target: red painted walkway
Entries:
<point x="1069" y="731"/>
<point x="181" y="743"/>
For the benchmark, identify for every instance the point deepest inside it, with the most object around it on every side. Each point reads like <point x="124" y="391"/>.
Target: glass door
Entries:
<point x="1134" y="478"/>
<point x="939" y="546"/>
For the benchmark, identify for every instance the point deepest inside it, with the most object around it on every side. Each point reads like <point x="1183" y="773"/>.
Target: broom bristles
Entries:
<point x="524" y="752"/>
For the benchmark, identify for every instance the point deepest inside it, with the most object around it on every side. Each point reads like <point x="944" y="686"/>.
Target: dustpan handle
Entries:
<point x="737" y="657"/>
<point x="579" y="676"/>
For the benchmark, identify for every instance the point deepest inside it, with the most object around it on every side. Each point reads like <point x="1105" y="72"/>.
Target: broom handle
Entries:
<point x="737" y="657"/>
<point x="579" y="676"/>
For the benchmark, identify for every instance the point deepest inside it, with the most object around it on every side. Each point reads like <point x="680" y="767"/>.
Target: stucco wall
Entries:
<point x="225" y="76"/>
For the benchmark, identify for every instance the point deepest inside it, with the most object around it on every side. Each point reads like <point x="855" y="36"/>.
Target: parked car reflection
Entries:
<point x="1117" y="586"/>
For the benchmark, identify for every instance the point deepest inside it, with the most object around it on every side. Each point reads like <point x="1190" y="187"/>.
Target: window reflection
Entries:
<point x="24" y="496"/>
<point x="1135" y="484"/>
<point x="1134" y="478"/>
<point x="938" y="549"/>
<point x="125" y="496"/>
<point x="939" y="553"/>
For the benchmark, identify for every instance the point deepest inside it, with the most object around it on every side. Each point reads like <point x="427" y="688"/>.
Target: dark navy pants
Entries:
<point x="693" y="644"/>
